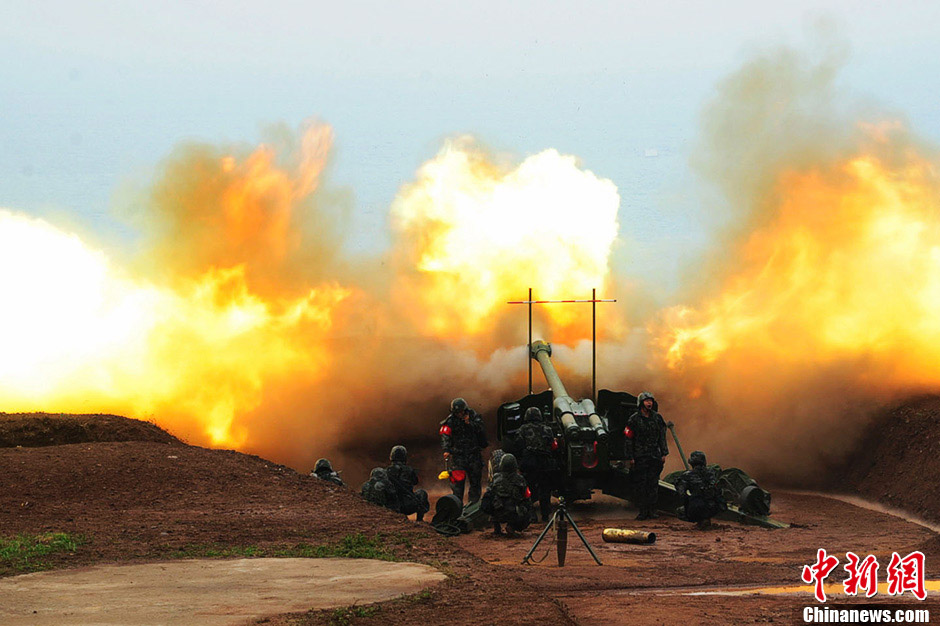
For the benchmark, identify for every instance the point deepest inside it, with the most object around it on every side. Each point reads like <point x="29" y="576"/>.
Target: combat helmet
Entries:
<point x="644" y="396"/>
<point x="399" y="454"/>
<point x="532" y="414"/>
<point x="508" y="464"/>
<point x="323" y="465"/>
<point x="697" y="459"/>
<point x="458" y="404"/>
<point x="379" y="474"/>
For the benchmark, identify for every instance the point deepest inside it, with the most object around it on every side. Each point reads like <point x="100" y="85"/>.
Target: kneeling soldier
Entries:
<point x="378" y="490"/>
<point x="699" y="493"/>
<point x="324" y="471"/>
<point x="404" y="479"/>
<point x="507" y="498"/>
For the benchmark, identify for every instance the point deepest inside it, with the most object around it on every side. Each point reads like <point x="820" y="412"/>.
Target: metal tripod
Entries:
<point x="560" y="520"/>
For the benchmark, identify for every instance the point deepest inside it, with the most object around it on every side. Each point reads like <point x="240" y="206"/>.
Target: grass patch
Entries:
<point x="345" y="615"/>
<point x="420" y="598"/>
<point x="24" y="553"/>
<point x="356" y="546"/>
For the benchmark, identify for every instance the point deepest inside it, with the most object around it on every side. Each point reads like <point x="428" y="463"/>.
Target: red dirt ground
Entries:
<point x="141" y="500"/>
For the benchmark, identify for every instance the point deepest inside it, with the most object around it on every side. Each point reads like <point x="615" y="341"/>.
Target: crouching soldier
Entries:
<point x="507" y="498"/>
<point x="324" y="471"/>
<point x="537" y="462"/>
<point x="699" y="493"/>
<point x="378" y="490"/>
<point x="404" y="479"/>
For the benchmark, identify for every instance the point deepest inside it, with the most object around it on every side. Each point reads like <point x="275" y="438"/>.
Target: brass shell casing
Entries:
<point x="625" y="535"/>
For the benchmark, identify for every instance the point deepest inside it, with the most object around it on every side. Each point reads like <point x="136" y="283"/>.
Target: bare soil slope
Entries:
<point x="897" y="461"/>
<point x="146" y="500"/>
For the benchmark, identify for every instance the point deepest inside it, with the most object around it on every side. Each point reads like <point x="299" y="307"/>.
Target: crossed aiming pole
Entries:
<point x="593" y="302"/>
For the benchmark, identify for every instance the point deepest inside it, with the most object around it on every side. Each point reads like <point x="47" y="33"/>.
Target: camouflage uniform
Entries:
<point x="465" y="441"/>
<point x="645" y="445"/>
<point x="403" y="479"/>
<point x="699" y="493"/>
<point x="378" y="490"/>
<point x="538" y="462"/>
<point x="324" y="471"/>
<point x="507" y="497"/>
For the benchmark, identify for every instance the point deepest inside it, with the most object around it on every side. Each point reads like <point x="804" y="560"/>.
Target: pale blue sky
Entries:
<point x="93" y="94"/>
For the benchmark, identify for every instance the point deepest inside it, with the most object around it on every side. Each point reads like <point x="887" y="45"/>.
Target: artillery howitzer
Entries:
<point x="590" y="452"/>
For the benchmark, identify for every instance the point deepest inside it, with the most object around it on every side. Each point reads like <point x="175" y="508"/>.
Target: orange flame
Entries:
<point x="847" y="269"/>
<point x="195" y="352"/>
<point x="235" y="330"/>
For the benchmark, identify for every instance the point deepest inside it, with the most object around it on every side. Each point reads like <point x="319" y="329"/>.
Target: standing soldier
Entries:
<point x="324" y="471"/>
<point x="537" y="463"/>
<point x="403" y="479"/>
<point x="645" y="449"/>
<point x="463" y="438"/>
<point x="699" y="493"/>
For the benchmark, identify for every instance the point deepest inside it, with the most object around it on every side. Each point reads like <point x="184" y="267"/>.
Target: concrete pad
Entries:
<point x="199" y="591"/>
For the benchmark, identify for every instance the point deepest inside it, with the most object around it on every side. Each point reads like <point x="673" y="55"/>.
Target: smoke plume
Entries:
<point x="816" y="305"/>
<point x="244" y="321"/>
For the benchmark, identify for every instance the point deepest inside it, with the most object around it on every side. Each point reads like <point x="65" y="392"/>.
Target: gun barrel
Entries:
<point x="565" y="407"/>
<point x="541" y="352"/>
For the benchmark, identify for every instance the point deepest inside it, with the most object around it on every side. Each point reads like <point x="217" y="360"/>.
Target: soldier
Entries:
<point x="378" y="490"/>
<point x="645" y="449"/>
<point x="537" y="462"/>
<point x="324" y="471"/>
<point x="404" y="479"/>
<point x="507" y="498"/>
<point x="699" y="493"/>
<point x="463" y="438"/>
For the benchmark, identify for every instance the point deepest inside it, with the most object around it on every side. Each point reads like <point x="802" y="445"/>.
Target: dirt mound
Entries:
<point x="33" y="430"/>
<point x="142" y="501"/>
<point x="897" y="461"/>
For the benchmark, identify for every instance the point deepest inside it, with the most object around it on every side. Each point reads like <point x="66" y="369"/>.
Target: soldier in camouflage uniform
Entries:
<point x="507" y="498"/>
<point x="404" y="479"/>
<point x="378" y="490"/>
<point x="699" y="493"/>
<point x="324" y="471"/>
<point x="538" y="462"/>
<point x="463" y="438"/>
<point x="645" y="448"/>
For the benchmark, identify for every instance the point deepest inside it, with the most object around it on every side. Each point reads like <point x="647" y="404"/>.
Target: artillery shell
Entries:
<point x="625" y="535"/>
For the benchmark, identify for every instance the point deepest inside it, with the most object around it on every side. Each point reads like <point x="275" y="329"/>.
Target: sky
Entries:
<point x="94" y="95"/>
